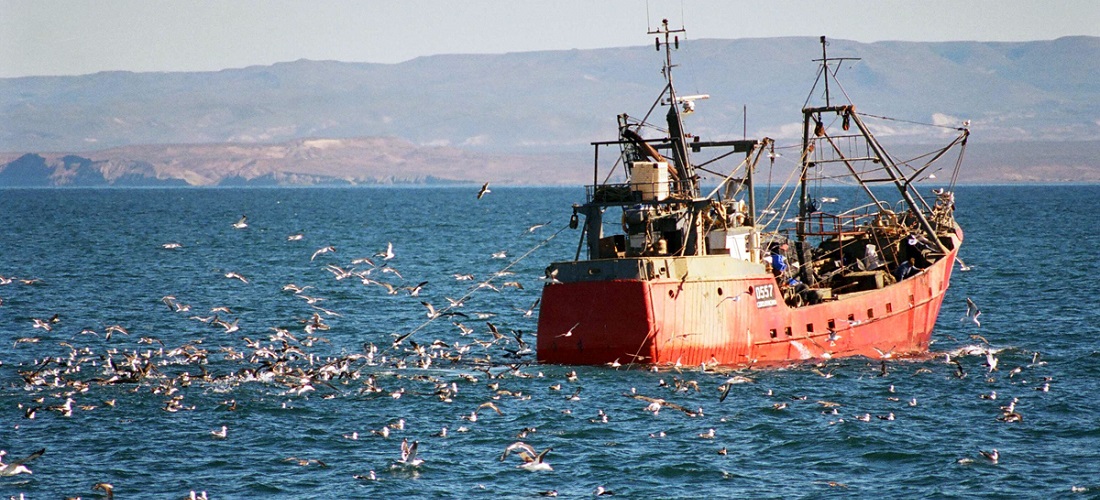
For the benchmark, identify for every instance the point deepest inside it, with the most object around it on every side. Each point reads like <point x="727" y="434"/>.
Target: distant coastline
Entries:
<point x="527" y="118"/>
<point x="392" y="161"/>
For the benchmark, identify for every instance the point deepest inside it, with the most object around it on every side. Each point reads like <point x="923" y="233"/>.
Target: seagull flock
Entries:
<point x="472" y="353"/>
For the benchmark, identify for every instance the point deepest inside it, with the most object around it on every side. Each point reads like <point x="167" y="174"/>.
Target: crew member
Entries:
<point x="906" y="269"/>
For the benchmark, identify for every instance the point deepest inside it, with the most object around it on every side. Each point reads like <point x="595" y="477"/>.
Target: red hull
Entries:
<point x="722" y="321"/>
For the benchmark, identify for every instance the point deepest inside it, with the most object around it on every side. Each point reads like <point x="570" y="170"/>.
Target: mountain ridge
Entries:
<point x="507" y="111"/>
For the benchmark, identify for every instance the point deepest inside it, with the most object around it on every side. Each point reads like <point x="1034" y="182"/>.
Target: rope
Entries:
<point x="634" y="357"/>
<point x="908" y="121"/>
<point x="958" y="161"/>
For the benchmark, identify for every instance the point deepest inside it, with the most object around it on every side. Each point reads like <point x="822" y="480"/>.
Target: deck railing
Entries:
<point x="823" y="224"/>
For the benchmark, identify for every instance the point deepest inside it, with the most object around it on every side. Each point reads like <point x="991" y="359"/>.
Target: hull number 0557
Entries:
<point x="765" y="295"/>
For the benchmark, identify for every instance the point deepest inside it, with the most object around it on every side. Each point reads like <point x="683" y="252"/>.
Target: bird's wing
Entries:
<point x="725" y="392"/>
<point x="27" y="458"/>
<point x="675" y="406"/>
<point x="644" y="398"/>
<point x="518" y="445"/>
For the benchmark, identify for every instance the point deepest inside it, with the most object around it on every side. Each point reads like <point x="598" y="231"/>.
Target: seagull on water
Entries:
<point x="993" y="456"/>
<point x="370" y="476"/>
<point x="108" y="489"/>
<point x="220" y="434"/>
<point x="384" y="432"/>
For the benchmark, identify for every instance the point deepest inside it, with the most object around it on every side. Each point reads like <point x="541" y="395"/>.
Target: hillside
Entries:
<point x="465" y="117"/>
<point x="359" y="161"/>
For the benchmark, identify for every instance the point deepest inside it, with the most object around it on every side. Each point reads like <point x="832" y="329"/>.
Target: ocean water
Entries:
<point x="95" y="259"/>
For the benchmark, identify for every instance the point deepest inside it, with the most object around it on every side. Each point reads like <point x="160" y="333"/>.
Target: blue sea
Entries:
<point x="95" y="259"/>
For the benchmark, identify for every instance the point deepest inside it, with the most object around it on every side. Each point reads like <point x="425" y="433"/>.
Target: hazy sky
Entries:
<point x="56" y="37"/>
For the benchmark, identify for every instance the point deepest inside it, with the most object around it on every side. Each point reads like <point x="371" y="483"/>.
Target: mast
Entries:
<point x="891" y="168"/>
<point x="803" y="209"/>
<point x="684" y="169"/>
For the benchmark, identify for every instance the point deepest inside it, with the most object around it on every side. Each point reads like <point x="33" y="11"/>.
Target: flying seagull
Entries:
<point x="484" y="190"/>
<point x="388" y="253"/>
<point x="972" y="312"/>
<point x="536" y="226"/>
<point x="16" y="466"/>
<point x="569" y="333"/>
<point x="408" y="453"/>
<point x="322" y="250"/>
<point x="532" y="461"/>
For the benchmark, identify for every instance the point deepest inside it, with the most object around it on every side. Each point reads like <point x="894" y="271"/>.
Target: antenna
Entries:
<point x="685" y="171"/>
<point x="666" y="31"/>
<point x="671" y="41"/>
<point x="825" y="66"/>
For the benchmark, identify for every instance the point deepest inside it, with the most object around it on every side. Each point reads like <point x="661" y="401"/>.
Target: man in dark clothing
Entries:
<point x="906" y="269"/>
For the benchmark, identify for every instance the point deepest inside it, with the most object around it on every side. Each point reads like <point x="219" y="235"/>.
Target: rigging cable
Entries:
<point x="475" y="288"/>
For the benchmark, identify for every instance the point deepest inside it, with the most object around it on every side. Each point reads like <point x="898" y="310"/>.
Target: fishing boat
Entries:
<point x="727" y="279"/>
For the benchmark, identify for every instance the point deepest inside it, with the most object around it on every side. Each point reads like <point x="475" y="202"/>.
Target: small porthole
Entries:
<point x="787" y="331"/>
<point x="670" y="294"/>
<point x="750" y="290"/>
<point x="772" y="332"/>
<point x="719" y="291"/>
